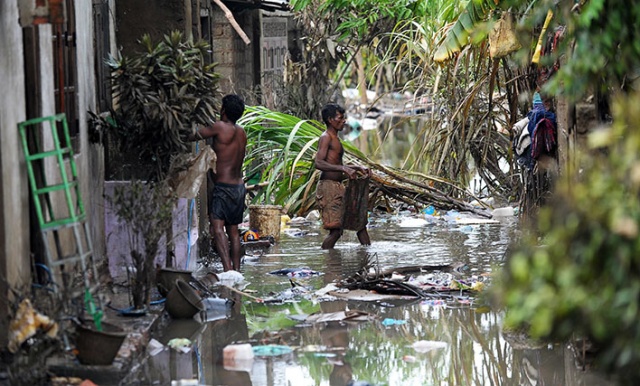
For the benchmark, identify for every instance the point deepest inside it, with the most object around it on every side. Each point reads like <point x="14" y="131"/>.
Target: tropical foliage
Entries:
<point x="161" y="93"/>
<point x="603" y="41"/>
<point x="577" y="274"/>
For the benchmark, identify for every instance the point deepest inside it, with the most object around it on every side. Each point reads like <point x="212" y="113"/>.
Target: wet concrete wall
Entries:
<point x="185" y="233"/>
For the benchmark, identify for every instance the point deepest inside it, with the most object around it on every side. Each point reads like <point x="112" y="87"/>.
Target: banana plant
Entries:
<point x="459" y="33"/>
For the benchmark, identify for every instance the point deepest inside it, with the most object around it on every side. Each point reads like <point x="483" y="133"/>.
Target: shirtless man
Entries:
<point x="330" y="190"/>
<point x="226" y="203"/>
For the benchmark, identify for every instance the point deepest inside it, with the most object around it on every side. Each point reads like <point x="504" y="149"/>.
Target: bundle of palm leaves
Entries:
<point x="280" y="160"/>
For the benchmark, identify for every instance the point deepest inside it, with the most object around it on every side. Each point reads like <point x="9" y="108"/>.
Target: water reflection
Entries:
<point x="215" y="336"/>
<point x="476" y="350"/>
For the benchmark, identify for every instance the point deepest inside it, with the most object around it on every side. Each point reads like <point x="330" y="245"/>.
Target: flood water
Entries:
<point x="467" y="344"/>
<point x="471" y="348"/>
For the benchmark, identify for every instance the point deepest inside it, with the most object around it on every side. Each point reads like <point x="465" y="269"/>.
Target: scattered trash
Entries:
<point x="409" y="358"/>
<point x="154" y="347"/>
<point x="350" y="315"/>
<point x="216" y="308"/>
<point x="393" y="322"/>
<point x="295" y="232"/>
<point x="326" y="289"/>
<point x="430" y="210"/>
<point x="26" y="324"/>
<point x="271" y="350"/>
<point x="238" y="357"/>
<point x="250" y="235"/>
<point x="368" y="295"/>
<point x="413" y="222"/>
<point x="297" y="221"/>
<point x="507" y="211"/>
<point x="475" y="221"/>
<point x="180" y="344"/>
<point x="231" y="278"/>
<point x="209" y="280"/>
<point x="324" y="354"/>
<point x="467" y="285"/>
<point x="314" y="215"/>
<point x="466" y="229"/>
<point x="296" y="272"/>
<point x="423" y="346"/>
<point x="452" y="216"/>
<point x="433" y="303"/>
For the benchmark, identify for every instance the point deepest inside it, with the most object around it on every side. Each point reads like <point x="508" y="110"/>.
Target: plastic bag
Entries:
<point x="502" y="38"/>
<point x="186" y="175"/>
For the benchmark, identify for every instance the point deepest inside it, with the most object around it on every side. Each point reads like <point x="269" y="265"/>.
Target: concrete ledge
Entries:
<point x="139" y="330"/>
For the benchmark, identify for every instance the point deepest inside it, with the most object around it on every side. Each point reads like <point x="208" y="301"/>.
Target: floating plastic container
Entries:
<point x="237" y="357"/>
<point x="507" y="211"/>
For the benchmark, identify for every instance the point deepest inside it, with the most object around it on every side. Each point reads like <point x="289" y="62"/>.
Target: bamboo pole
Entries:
<point x="233" y="21"/>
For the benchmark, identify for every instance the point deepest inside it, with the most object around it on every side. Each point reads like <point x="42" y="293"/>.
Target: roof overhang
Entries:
<point x="266" y="5"/>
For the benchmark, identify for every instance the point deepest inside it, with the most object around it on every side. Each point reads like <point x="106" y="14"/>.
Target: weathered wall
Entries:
<point x="185" y="232"/>
<point x="90" y="158"/>
<point x="155" y="17"/>
<point x="235" y="58"/>
<point x="14" y="216"/>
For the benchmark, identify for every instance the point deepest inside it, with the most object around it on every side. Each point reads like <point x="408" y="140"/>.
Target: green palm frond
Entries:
<point x="282" y="148"/>
<point x="458" y="33"/>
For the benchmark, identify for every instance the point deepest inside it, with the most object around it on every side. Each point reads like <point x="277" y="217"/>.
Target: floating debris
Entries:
<point x="271" y="350"/>
<point x="296" y="272"/>
<point x="423" y="346"/>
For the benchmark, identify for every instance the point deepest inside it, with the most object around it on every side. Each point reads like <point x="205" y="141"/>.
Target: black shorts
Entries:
<point x="227" y="203"/>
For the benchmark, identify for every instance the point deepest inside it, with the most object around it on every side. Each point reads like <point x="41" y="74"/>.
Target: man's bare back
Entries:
<point x="226" y="200"/>
<point x="229" y="144"/>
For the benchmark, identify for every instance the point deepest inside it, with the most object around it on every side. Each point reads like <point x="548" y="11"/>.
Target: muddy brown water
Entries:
<point x="470" y="347"/>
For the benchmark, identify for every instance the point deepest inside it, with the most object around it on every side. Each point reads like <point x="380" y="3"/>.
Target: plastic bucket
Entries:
<point x="183" y="302"/>
<point x="265" y="219"/>
<point x="98" y="347"/>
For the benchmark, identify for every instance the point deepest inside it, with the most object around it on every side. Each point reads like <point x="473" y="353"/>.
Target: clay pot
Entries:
<point x="98" y="347"/>
<point x="166" y="279"/>
<point x="183" y="301"/>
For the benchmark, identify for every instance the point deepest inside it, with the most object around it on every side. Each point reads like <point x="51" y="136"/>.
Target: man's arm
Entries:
<point x="202" y="132"/>
<point x="363" y="169"/>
